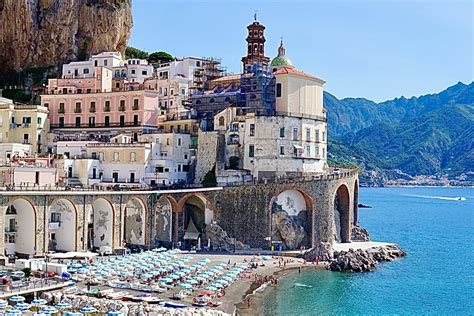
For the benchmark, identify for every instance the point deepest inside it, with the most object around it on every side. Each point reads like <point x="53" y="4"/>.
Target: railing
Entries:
<point x="61" y="111"/>
<point x="112" y="124"/>
<point x="77" y="110"/>
<point x="315" y="117"/>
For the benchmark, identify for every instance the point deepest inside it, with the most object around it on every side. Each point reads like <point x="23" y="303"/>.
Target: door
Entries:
<point x="132" y="177"/>
<point x="115" y="177"/>
<point x="69" y="172"/>
<point x="91" y="121"/>
<point x="94" y="173"/>
<point x="122" y="120"/>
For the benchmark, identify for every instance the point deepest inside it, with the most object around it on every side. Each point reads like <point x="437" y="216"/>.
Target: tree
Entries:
<point x="209" y="179"/>
<point x="132" y="52"/>
<point x="160" y="56"/>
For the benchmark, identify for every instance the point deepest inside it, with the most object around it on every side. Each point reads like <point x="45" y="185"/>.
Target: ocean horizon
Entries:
<point x="432" y="225"/>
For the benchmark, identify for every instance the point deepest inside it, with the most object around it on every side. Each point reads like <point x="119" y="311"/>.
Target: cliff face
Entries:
<point x="50" y="32"/>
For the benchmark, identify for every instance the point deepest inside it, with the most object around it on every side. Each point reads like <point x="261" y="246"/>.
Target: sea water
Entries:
<point x="432" y="226"/>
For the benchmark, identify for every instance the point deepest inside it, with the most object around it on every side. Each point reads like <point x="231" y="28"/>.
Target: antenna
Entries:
<point x="255" y="16"/>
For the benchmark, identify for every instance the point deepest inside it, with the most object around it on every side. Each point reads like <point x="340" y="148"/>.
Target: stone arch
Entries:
<point x="342" y="225"/>
<point x="195" y="209"/>
<point x="292" y="218"/>
<point x="103" y="224"/>
<point x="62" y="225"/>
<point x="21" y="228"/>
<point x="163" y="222"/>
<point x="356" y="201"/>
<point x="135" y="222"/>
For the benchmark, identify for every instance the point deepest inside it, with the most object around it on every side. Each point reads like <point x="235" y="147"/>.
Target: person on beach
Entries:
<point x="299" y="269"/>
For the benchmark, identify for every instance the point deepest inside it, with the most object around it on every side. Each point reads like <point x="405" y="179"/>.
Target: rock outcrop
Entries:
<point x="288" y="229"/>
<point x="364" y="260"/>
<point x="359" y="234"/>
<point x="50" y="32"/>
<point x="323" y="252"/>
<point x="219" y="238"/>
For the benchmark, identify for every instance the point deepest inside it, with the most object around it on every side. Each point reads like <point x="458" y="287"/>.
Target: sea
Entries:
<point x="435" y="278"/>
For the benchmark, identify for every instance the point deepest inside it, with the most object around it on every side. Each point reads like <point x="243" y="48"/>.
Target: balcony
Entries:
<point x="98" y="125"/>
<point x="10" y="230"/>
<point x="107" y="108"/>
<point x="121" y="108"/>
<point x="136" y="108"/>
<point x="54" y="225"/>
<point x="77" y="110"/>
<point x="61" y="111"/>
<point x="92" y="110"/>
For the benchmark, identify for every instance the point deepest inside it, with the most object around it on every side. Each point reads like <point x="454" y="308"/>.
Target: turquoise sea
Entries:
<point x="435" y="278"/>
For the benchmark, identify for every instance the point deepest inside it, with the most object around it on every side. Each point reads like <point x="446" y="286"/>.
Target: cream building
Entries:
<point x="23" y="129"/>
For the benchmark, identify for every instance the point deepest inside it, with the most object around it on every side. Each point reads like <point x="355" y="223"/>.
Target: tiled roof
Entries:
<point x="293" y="71"/>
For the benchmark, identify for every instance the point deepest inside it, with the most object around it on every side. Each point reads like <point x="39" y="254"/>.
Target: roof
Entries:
<point x="227" y="78"/>
<point x="295" y="72"/>
<point x="280" y="61"/>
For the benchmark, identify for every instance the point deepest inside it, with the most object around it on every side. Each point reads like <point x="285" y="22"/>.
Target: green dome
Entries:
<point x="281" y="61"/>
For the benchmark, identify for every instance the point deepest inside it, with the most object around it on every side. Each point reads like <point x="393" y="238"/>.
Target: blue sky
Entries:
<point x="374" y="49"/>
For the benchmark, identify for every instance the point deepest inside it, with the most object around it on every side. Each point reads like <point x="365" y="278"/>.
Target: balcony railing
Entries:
<point x="54" y="225"/>
<point x="122" y="108"/>
<point x="92" y="110"/>
<point x="98" y="125"/>
<point x="77" y="110"/>
<point x="136" y="107"/>
<point x="61" y="111"/>
<point x="107" y="109"/>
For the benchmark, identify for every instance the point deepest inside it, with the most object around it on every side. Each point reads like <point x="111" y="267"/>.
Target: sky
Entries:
<point x="377" y="49"/>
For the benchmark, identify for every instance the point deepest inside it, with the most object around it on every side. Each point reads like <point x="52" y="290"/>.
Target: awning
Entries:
<point x="298" y="146"/>
<point x="191" y="235"/>
<point x="72" y="255"/>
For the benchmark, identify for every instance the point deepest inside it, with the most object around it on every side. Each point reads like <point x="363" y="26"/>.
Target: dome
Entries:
<point x="281" y="60"/>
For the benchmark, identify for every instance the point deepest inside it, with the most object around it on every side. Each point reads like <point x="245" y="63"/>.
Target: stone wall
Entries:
<point x="206" y="154"/>
<point x="243" y="212"/>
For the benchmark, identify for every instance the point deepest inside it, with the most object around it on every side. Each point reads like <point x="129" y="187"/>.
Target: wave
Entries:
<point x="446" y="198"/>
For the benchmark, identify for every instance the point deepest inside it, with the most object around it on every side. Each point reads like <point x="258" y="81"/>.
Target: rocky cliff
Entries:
<point x="50" y="32"/>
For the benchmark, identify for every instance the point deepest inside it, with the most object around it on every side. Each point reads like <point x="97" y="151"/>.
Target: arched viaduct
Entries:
<point x="320" y="209"/>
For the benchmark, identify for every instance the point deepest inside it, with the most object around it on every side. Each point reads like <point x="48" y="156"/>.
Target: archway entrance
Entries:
<point x="135" y="222"/>
<point x="102" y="225"/>
<point x="62" y="226"/>
<point x="291" y="220"/>
<point x="196" y="215"/>
<point x="341" y="215"/>
<point x="20" y="229"/>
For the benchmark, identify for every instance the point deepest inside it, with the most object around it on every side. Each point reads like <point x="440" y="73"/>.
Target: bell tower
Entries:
<point x="255" y="46"/>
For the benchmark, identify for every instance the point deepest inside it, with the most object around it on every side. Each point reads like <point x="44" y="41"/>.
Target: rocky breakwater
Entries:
<point x="51" y="32"/>
<point x="363" y="260"/>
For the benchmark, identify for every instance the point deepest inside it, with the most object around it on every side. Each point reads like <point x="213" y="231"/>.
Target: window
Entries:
<point x="144" y="72"/>
<point x="133" y="71"/>
<point x="179" y="141"/>
<point x="46" y="105"/>
<point x="317" y="135"/>
<point x="92" y="108"/>
<point x="295" y="133"/>
<point x="95" y="63"/>
<point x="107" y="121"/>
<point x="167" y="141"/>
<point x="122" y="120"/>
<point x="26" y="120"/>
<point x="308" y="151"/>
<point x="135" y="120"/>
<point x="282" y="150"/>
<point x="39" y="120"/>
<point x="183" y="91"/>
<point x="78" y="107"/>
<point x="107" y="106"/>
<point x="86" y="70"/>
<point x="78" y="121"/>
<point x="278" y="90"/>
<point x="317" y="151"/>
<point x="324" y="136"/>
<point x="308" y="134"/>
<point x="133" y="156"/>
<point x="122" y="105"/>
<point x="135" y="104"/>
<point x="252" y="129"/>
<point x="116" y="156"/>
<point x="251" y="151"/>
<point x="282" y="132"/>
<point x="61" y="108"/>
<point x="105" y="62"/>
<point x="179" y="168"/>
<point x="198" y="63"/>
<point x="61" y="122"/>
<point x="159" y="169"/>
<point x="171" y="92"/>
<point x="221" y="121"/>
<point x="324" y="153"/>
<point x="26" y="138"/>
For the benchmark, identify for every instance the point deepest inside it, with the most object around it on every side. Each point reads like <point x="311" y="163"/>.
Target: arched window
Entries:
<point x="253" y="96"/>
<point x="221" y="121"/>
<point x="261" y="48"/>
<point x="198" y="102"/>
<point x="227" y="99"/>
<point x="250" y="48"/>
<point x="255" y="48"/>
<point x="133" y="156"/>
<point x="255" y="33"/>
<point x="261" y="33"/>
<point x="211" y="100"/>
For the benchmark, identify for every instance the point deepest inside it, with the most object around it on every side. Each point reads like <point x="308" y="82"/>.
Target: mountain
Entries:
<point x="427" y="135"/>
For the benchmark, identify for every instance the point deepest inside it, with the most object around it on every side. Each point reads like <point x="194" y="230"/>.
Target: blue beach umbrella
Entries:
<point x="13" y="312"/>
<point x="38" y="302"/>
<point x="22" y="306"/>
<point x="73" y="314"/>
<point x="49" y="310"/>
<point x="88" y="309"/>
<point x="114" y="313"/>
<point x="63" y="305"/>
<point x="3" y="303"/>
<point x="17" y="298"/>
<point x="186" y="286"/>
